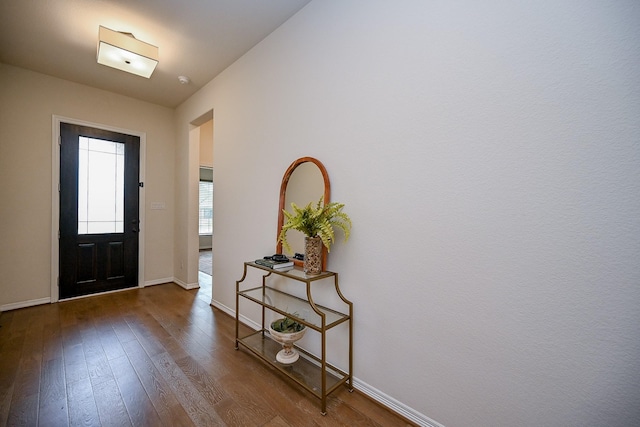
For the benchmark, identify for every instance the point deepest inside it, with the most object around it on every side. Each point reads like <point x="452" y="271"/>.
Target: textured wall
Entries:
<point x="488" y="154"/>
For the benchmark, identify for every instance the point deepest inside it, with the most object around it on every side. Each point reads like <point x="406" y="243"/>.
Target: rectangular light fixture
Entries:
<point x="124" y="52"/>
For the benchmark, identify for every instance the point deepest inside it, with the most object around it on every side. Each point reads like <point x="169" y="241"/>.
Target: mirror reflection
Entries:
<point x="305" y="181"/>
<point x="305" y="185"/>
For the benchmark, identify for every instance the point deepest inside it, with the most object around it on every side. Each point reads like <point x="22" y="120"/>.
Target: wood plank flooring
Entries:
<point x="151" y="357"/>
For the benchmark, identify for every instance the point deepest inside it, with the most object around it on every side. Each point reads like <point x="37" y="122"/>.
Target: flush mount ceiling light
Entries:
<point x="124" y="52"/>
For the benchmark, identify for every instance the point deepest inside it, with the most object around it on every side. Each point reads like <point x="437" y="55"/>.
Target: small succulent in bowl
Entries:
<point x="286" y="331"/>
<point x="287" y="325"/>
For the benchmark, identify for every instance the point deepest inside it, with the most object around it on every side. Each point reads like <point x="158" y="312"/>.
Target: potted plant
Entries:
<point x="287" y="331"/>
<point x="317" y="224"/>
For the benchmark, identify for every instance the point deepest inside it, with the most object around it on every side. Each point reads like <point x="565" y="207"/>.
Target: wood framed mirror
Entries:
<point x="304" y="181"/>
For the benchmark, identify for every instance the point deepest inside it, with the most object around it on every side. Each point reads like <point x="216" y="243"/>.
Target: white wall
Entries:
<point x="206" y="159"/>
<point x="28" y="101"/>
<point x="206" y="144"/>
<point x="488" y="154"/>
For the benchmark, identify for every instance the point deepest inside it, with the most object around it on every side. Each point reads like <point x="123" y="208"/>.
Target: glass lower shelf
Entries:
<point x="306" y="371"/>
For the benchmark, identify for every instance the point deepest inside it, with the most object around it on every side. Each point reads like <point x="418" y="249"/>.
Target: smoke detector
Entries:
<point x="184" y="80"/>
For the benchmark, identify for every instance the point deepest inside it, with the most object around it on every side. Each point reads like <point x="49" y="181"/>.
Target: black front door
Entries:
<point x="99" y="175"/>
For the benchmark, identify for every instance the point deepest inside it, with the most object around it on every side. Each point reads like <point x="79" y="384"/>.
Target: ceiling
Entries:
<point x="196" y="38"/>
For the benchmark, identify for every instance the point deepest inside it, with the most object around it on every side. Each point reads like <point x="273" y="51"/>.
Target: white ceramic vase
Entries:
<point x="288" y="354"/>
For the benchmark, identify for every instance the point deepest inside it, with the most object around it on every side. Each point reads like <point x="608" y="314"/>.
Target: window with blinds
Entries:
<point x="205" y="216"/>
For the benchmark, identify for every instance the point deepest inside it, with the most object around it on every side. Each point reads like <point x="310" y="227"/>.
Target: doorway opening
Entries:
<point x="205" y="204"/>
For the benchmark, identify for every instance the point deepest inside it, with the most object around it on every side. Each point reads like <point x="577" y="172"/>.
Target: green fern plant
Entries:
<point x="318" y="221"/>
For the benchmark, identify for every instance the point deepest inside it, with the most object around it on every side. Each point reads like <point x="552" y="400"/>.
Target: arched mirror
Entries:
<point x="305" y="181"/>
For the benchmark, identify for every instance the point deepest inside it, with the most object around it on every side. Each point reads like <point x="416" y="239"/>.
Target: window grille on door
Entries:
<point x="100" y="186"/>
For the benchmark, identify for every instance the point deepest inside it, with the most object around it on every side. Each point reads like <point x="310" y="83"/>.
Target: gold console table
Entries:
<point x="312" y="372"/>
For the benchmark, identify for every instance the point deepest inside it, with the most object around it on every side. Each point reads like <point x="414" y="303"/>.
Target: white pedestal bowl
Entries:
<point x="288" y="354"/>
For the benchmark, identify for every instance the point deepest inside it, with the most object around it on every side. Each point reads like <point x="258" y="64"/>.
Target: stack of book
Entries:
<point x="275" y="265"/>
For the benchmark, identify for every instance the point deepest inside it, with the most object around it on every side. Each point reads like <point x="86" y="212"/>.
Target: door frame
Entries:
<point x="55" y="198"/>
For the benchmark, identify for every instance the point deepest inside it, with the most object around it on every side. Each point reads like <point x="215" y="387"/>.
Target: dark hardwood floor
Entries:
<point x="150" y="357"/>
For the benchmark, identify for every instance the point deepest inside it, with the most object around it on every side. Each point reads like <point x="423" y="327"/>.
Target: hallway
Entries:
<point x="205" y="272"/>
<point x="205" y="262"/>
<point x="153" y="356"/>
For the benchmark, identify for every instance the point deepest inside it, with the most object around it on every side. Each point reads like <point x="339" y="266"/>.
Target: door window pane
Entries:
<point x="100" y="186"/>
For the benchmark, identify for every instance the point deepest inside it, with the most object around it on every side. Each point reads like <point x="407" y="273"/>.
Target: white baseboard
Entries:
<point x="220" y="306"/>
<point x="159" y="281"/>
<point x="47" y="300"/>
<point x="24" y="304"/>
<point x="245" y="320"/>
<point x="394" y="405"/>
<point x="187" y="286"/>
<point x="375" y="394"/>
